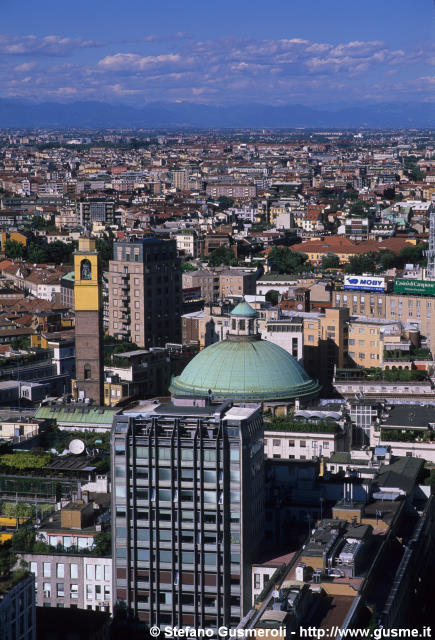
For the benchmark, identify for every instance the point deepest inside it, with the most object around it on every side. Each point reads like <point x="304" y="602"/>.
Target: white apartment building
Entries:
<point x="298" y="445"/>
<point x="71" y="580"/>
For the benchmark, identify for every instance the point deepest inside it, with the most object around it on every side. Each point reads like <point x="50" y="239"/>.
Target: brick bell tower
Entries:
<point x="89" y="381"/>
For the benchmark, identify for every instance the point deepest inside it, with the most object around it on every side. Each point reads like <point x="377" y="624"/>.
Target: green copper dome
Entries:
<point x="245" y="310"/>
<point x="252" y="370"/>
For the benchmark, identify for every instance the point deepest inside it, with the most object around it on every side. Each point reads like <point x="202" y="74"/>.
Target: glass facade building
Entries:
<point x="188" y="511"/>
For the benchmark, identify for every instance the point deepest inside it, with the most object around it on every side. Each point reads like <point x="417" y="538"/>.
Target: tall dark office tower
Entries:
<point x="144" y="283"/>
<point x="188" y="511"/>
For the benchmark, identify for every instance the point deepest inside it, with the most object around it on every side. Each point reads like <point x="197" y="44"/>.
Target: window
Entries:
<point x="210" y="455"/>
<point x="107" y="572"/>
<point x="326" y="445"/>
<point x="47" y="569"/>
<point x="60" y="589"/>
<point x="120" y="492"/>
<point x="90" y="572"/>
<point x="276" y="443"/>
<point x="74" y="573"/>
<point x="89" y="592"/>
<point x="98" y="572"/>
<point x="165" y="495"/>
<point x="210" y="496"/>
<point x="74" y="591"/>
<point x="303" y="443"/>
<point x="143" y="555"/>
<point x="34" y="568"/>
<point x="164" y="453"/>
<point x="60" y="570"/>
<point x="47" y="589"/>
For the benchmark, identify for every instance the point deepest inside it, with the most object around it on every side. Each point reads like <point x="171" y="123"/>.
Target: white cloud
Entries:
<point x="48" y="45"/>
<point x="227" y="69"/>
<point x="135" y="62"/>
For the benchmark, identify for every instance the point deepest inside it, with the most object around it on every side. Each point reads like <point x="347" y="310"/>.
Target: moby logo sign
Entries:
<point x="364" y="283"/>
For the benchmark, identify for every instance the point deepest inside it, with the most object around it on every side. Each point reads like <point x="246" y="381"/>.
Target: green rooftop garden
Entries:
<point x="377" y="374"/>
<point x="290" y="424"/>
<point x="410" y="435"/>
<point x="25" y="460"/>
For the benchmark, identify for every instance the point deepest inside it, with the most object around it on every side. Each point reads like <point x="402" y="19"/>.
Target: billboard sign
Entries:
<point x="191" y="293"/>
<point x="416" y="287"/>
<point x="364" y="283"/>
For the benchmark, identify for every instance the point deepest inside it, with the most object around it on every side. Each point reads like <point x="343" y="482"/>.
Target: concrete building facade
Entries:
<point x="72" y="581"/>
<point x="144" y="284"/>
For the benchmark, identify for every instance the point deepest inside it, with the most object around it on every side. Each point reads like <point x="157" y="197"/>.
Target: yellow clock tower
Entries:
<point x="89" y="380"/>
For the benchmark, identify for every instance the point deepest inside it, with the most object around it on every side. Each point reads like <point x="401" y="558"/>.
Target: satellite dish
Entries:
<point x="76" y="446"/>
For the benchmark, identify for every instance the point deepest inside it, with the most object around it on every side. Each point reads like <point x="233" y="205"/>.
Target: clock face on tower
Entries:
<point x="299" y="307"/>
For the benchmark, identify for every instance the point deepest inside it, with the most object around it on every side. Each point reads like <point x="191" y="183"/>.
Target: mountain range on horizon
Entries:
<point x="19" y="113"/>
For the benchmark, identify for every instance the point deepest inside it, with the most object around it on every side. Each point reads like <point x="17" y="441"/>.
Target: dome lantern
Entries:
<point x="243" y="325"/>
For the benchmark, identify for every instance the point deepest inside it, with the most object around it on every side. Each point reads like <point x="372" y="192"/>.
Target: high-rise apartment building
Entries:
<point x="144" y="283"/>
<point x="188" y="512"/>
<point x="90" y="211"/>
<point x="180" y="179"/>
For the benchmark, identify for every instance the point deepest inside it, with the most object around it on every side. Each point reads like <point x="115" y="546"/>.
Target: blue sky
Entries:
<point x="313" y="52"/>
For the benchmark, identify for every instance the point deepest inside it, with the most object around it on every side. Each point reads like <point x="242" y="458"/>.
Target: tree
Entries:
<point x="272" y="296"/>
<point x="364" y="263"/>
<point x="414" y="254"/>
<point x="103" y="543"/>
<point x="387" y="260"/>
<point x="222" y="255"/>
<point x="7" y="558"/>
<point x="14" y="249"/>
<point x="18" y="509"/>
<point x="282" y="260"/>
<point x="37" y="254"/>
<point x="60" y="252"/>
<point x="390" y="193"/>
<point x="359" y="208"/>
<point x="331" y="261"/>
<point x="20" y="342"/>
<point x="38" y="222"/>
<point x="186" y="266"/>
<point x="225" y="203"/>
<point x="105" y="249"/>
